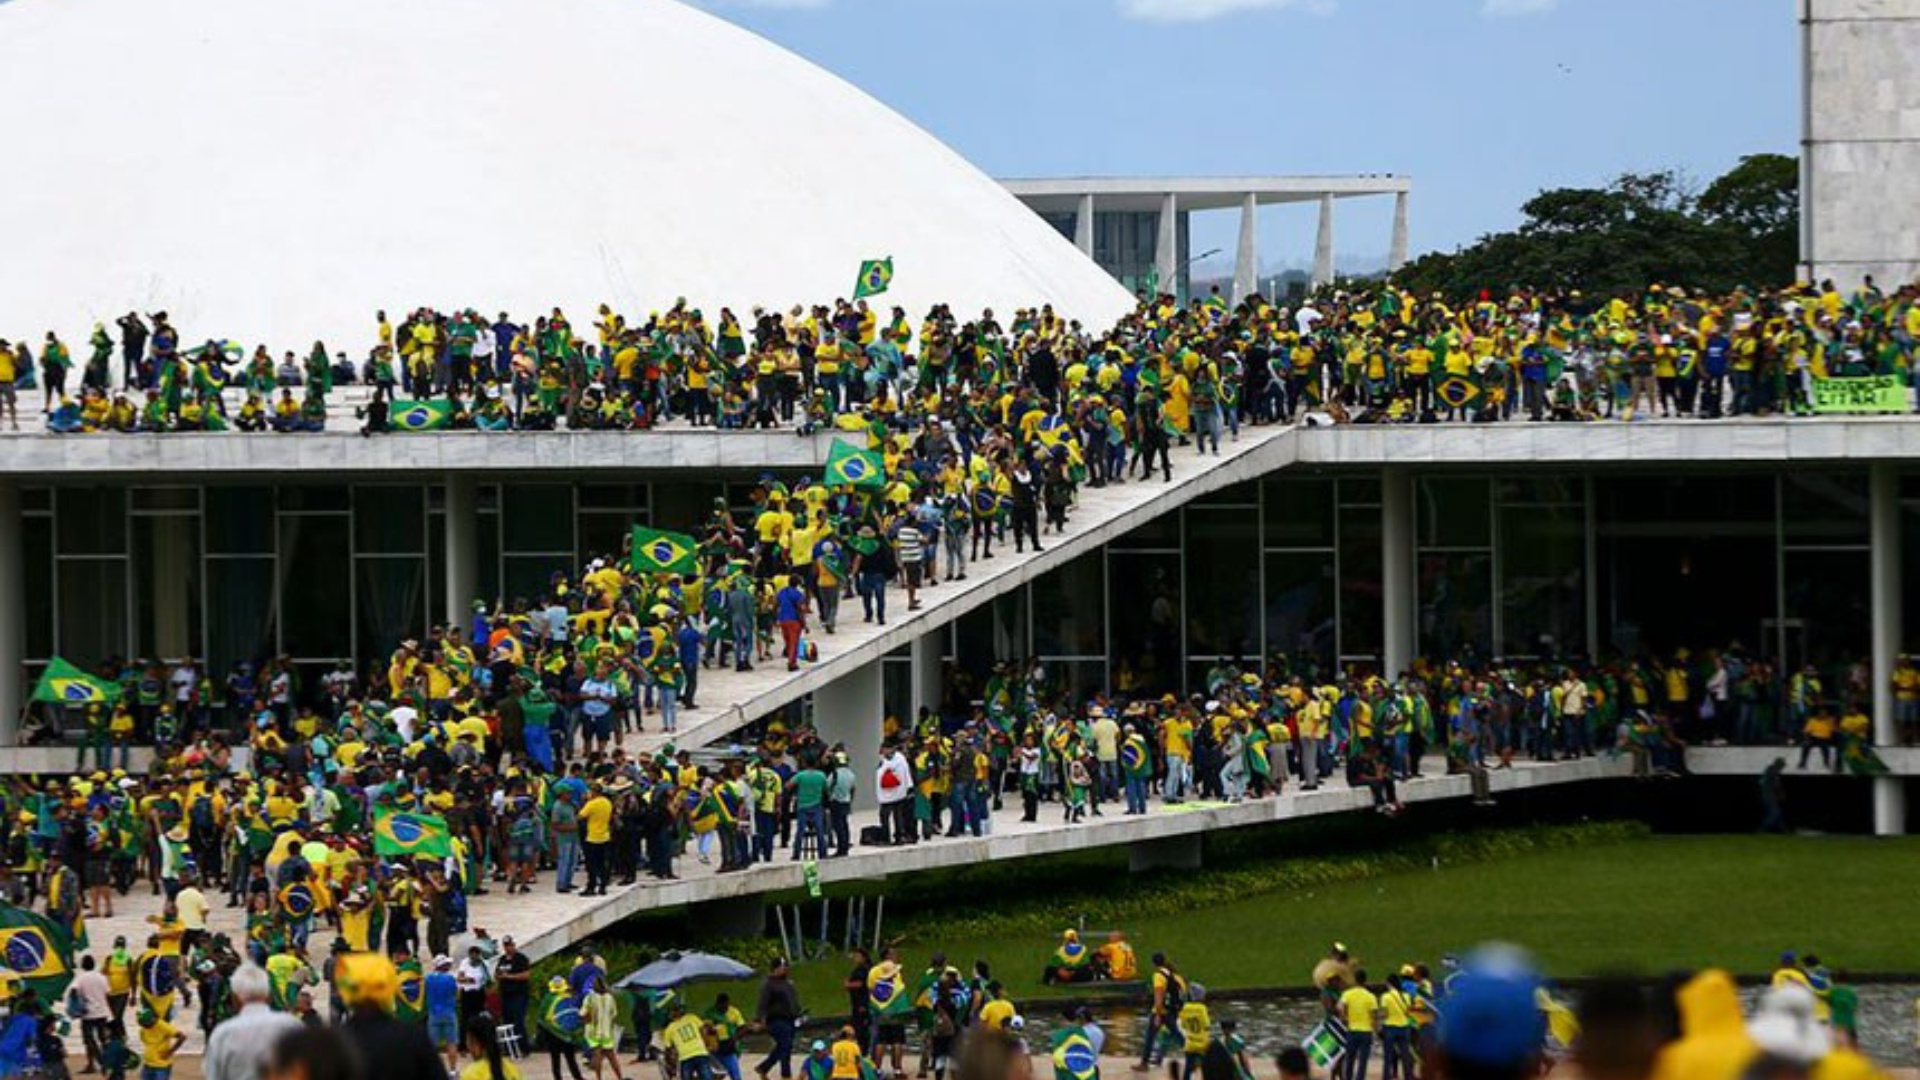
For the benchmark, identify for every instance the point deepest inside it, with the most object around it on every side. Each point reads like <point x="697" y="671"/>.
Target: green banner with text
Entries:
<point x="1865" y="394"/>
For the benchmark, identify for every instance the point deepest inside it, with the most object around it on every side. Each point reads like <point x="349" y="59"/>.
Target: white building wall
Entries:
<point x="1860" y="173"/>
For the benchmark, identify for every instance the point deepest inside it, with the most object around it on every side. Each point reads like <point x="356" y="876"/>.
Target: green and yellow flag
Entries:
<point x="64" y="684"/>
<point x="658" y="552"/>
<point x="35" y="952"/>
<point x="875" y="276"/>
<point x="419" y="415"/>
<point x="862" y="470"/>
<point x="407" y="834"/>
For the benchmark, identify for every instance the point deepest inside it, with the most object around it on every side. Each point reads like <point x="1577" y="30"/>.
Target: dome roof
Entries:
<point x="275" y="170"/>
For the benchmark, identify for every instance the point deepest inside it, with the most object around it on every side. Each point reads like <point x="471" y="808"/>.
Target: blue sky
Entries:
<point x="1482" y="102"/>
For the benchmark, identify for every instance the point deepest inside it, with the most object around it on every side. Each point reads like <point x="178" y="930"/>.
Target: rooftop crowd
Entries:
<point x="1376" y="353"/>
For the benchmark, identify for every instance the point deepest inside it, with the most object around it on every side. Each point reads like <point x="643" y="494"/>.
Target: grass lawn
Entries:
<point x="1638" y="907"/>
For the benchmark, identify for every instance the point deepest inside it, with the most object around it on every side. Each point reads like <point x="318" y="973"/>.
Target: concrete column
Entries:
<point x="1883" y="485"/>
<point x="927" y="674"/>
<point x="1166" y="261"/>
<point x="1167" y="852"/>
<point x="13" y="637"/>
<point x="1246" y="267"/>
<point x="462" y="549"/>
<point x="1083" y="226"/>
<point x="851" y="710"/>
<point x="1323" y="245"/>
<point x="1396" y="569"/>
<point x="1397" y="253"/>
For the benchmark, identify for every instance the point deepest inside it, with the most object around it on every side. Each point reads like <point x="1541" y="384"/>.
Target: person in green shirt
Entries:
<point x="1844" y="1000"/>
<point x="809" y="787"/>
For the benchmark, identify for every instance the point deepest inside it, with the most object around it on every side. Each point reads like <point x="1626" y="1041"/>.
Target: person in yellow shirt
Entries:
<point x="1177" y="744"/>
<point x="159" y="1041"/>
<point x="1360" y="1008"/>
<point x="596" y="836"/>
<point x="1396" y="1030"/>
<point x="1196" y="1031"/>
<point x="686" y="1035"/>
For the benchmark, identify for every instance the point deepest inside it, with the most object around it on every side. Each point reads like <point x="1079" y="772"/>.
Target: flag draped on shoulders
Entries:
<point x="35" y="951"/>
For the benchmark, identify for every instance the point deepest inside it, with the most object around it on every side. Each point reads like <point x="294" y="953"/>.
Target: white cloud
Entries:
<point x="1498" y="8"/>
<point x="783" y="5"/>
<point x="1203" y="10"/>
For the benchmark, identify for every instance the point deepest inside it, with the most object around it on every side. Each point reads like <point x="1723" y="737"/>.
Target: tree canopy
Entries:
<point x="1641" y="229"/>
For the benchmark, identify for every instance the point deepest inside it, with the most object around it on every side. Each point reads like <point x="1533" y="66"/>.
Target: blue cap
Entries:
<point x="1490" y="1015"/>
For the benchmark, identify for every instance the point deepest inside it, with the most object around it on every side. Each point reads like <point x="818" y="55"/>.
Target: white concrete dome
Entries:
<point x="273" y="171"/>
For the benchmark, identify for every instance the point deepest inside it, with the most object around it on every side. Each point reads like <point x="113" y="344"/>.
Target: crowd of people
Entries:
<point x="1376" y="353"/>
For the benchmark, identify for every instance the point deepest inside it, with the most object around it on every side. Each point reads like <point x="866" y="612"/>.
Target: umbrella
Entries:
<point x="678" y="968"/>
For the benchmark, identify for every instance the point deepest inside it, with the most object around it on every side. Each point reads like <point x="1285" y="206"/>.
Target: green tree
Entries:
<point x="1642" y="229"/>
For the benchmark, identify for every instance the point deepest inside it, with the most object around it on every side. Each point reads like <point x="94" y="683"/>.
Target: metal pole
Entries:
<point x="826" y="908"/>
<point x="780" y="918"/>
<point x="879" y="920"/>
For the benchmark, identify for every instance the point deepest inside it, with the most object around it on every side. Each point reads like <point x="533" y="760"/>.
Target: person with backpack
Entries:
<point x="1169" y="995"/>
<point x="526" y="839"/>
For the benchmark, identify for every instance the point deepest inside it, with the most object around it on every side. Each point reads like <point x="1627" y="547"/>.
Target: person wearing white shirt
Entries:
<point x="895" y="787"/>
<point x="90" y="991"/>
<point x="238" y="1048"/>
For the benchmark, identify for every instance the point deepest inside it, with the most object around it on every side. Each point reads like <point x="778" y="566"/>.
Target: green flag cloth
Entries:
<point x="64" y="684"/>
<point x="657" y="552"/>
<point x="407" y="834"/>
<point x="419" y="415"/>
<point x="862" y="470"/>
<point x="875" y="276"/>
<point x="35" y="951"/>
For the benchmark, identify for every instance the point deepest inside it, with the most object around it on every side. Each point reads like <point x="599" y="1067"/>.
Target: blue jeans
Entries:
<point x="1396" y="1053"/>
<point x="694" y="1068"/>
<point x="810" y="821"/>
<point x="764" y="825"/>
<point x="781" y="1031"/>
<point x="669" y="706"/>
<point x="1136" y="794"/>
<point x="566" y="859"/>
<point x="873" y="596"/>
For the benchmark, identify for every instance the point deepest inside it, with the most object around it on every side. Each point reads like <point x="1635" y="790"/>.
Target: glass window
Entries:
<point x="93" y="610"/>
<point x="1829" y="592"/>
<point x="36" y="499"/>
<point x="990" y="633"/>
<point x="1541" y="489"/>
<point x="1456" y="604"/>
<point x="37" y="563"/>
<point x="170" y="498"/>
<point x="1223" y="584"/>
<point x="1143" y="604"/>
<point x="392" y="603"/>
<point x="487" y="579"/>
<point x="331" y="498"/>
<point x="602" y="534"/>
<point x="1161" y="532"/>
<point x="1361" y="606"/>
<point x="530" y="577"/>
<point x="1674" y="502"/>
<point x="92" y="521"/>
<point x="1069" y="609"/>
<point x="538" y="517"/>
<point x="437" y="569"/>
<point x="239" y="520"/>
<point x="1360" y="491"/>
<point x="1452" y="512"/>
<point x="240" y="613"/>
<point x="1245" y="493"/>
<point x="613" y="496"/>
<point x="1299" y="513"/>
<point x="166" y="586"/>
<point x="1078" y="678"/>
<point x="389" y="520"/>
<point x="1543" y="580"/>
<point x="1301" y="591"/>
<point x="1824" y="508"/>
<point x="316" y="587"/>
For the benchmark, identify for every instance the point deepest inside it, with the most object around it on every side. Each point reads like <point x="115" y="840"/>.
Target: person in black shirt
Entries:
<point x="859" y="1000"/>
<point x="511" y="973"/>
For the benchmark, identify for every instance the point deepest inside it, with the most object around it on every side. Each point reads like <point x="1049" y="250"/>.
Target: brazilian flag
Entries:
<point x="1457" y="392"/>
<point x="658" y="552"/>
<point x="35" y="951"/>
<point x="158" y="975"/>
<point x="404" y="833"/>
<point x="1074" y="1057"/>
<point x="296" y="900"/>
<point x="64" y="684"/>
<point x="887" y="989"/>
<point x="862" y="470"/>
<point x="419" y="415"/>
<point x="875" y="276"/>
<point x="559" y="1016"/>
<point x="410" y="1001"/>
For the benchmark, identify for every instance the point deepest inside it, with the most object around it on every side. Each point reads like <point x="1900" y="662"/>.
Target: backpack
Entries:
<point x="200" y="814"/>
<point x="524" y="830"/>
